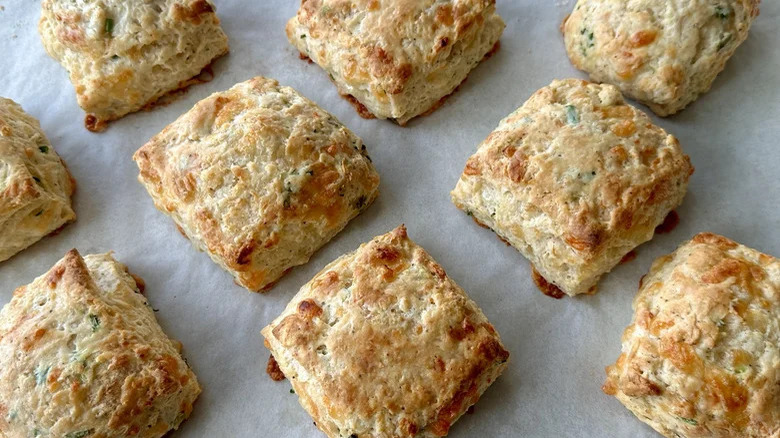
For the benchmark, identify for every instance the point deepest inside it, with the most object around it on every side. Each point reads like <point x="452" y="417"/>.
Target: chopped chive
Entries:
<point x="41" y="374"/>
<point x="39" y="213"/>
<point x="292" y="391"/>
<point x="109" y="25"/>
<point x="44" y="149"/>
<point x="303" y="37"/>
<point x="571" y="115"/>
<point x="690" y="421"/>
<point x="38" y="180"/>
<point x="722" y="12"/>
<point x="95" y="321"/>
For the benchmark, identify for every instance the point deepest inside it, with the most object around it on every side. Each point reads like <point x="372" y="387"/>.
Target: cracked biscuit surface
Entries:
<point x="701" y="357"/>
<point x="661" y="53"/>
<point x="574" y="179"/>
<point x="259" y="177"/>
<point x="382" y="343"/>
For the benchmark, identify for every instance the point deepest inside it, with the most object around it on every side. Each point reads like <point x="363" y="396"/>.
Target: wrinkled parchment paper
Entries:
<point x="559" y="347"/>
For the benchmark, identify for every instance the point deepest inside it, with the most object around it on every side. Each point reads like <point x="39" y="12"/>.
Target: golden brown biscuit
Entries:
<point x="701" y="357"/>
<point x="124" y="55"/>
<point x="35" y="185"/>
<point x="574" y="179"/>
<point x="82" y="355"/>
<point x="381" y="343"/>
<point x="663" y="55"/>
<point x="397" y="58"/>
<point x="259" y="177"/>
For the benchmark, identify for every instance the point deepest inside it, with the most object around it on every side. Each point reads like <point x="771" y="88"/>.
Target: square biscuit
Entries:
<point x="82" y="354"/>
<point x="123" y="55"/>
<point x="701" y="357"/>
<point x="35" y="185"/>
<point x="574" y="179"/>
<point x="381" y="343"/>
<point x="259" y="177"/>
<point x="396" y="59"/>
<point x="662" y="56"/>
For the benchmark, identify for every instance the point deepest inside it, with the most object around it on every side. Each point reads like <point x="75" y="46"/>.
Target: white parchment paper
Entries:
<point x="559" y="347"/>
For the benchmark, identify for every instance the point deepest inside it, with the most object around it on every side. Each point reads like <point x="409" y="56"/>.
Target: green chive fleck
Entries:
<point x="95" y="321"/>
<point x="690" y="421"/>
<point x="44" y="149"/>
<point x="38" y="180"/>
<point x="115" y="57"/>
<point x="292" y="391"/>
<point x="303" y="37"/>
<point x="722" y="12"/>
<point x="109" y="25"/>
<point x="571" y="115"/>
<point x="79" y="434"/>
<point x="39" y="213"/>
<point x="40" y="375"/>
<point x="740" y="369"/>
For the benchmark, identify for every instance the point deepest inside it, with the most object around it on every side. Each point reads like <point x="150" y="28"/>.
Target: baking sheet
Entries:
<point x="559" y="347"/>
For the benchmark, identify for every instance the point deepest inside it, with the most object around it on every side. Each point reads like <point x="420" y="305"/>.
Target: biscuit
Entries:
<point x="81" y="354"/>
<point x="701" y="357"/>
<point x="123" y="56"/>
<point x="574" y="180"/>
<point x="35" y="185"/>
<point x="259" y="177"/>
<point x="396" y="59"/>
<point x="382" y="343"/>
<point x="661" y="55"/>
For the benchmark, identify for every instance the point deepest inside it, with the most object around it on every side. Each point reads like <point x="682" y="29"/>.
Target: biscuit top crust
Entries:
<point x="593" y="164"/>
<point x="29" y="166"/>
<point x="385" y="42"/>
<point x="703" y="349"/>
<point x="81" y="354"/>
<point x="657" y="51"/>
<point x="384" y="341"/>
<point x="255" y="167"/>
